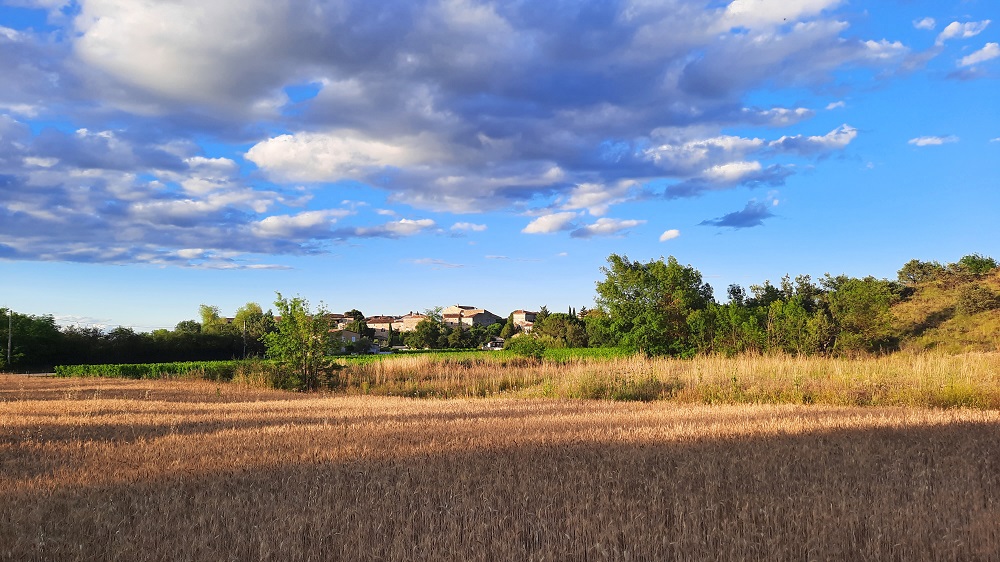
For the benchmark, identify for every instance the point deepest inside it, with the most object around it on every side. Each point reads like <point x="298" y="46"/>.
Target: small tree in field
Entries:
<point x="300" y="340"/>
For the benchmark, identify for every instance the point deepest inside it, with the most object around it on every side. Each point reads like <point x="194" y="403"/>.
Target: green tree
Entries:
<point x="526" y="346"/>
<point x="648" y="303"/>
<point x="975" y="264"/>
<point x="916" y="271"/>
<point x="301" y="340"/>
<point x="509" y="328"/>
<point x="188" y="327"/>
<point x="861" y="309"/>
<point x="425" y="334"/>
<point x="561" y="330"/>
<point x="211" y="319"/>
<point x="33" y="340"/>
<point x="252" y="323"/>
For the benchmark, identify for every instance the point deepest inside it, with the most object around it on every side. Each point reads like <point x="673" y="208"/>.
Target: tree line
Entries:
<point x="659" y="307"/>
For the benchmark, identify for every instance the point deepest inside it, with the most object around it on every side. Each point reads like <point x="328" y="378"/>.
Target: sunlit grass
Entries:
<point x="110" y="469"/>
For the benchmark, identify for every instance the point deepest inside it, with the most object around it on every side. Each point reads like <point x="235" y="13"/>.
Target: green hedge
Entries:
<point x="207" y="370"/>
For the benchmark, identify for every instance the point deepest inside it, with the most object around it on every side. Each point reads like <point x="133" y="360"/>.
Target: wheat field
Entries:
<point x="98" y="469"/>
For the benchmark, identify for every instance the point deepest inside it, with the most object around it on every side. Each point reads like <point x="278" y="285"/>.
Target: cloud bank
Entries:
<point x="443" y="106"/>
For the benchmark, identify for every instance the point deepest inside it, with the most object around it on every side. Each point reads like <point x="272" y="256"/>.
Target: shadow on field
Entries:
<point x="908" y="494"/>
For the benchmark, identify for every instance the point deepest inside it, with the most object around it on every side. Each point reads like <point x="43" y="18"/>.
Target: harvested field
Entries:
<point x="187" y="470"/>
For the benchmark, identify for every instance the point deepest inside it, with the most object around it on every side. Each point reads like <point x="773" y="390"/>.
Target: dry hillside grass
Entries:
<point x="162" y="470"/>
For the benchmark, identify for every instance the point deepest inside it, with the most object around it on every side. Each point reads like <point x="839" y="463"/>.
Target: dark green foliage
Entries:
<point x="648" y="304"/>
<point x="975" y="298"/>
<point x="301" y="341"/>
<point x="861" y="310"/>
<point x="34" y="340"/>
<point x="974" y="264"/>
<point x="561" y="330"/>
<point x="525" y="346"/>
<point x="916" y="271"/>
<point x="206" y="370"/>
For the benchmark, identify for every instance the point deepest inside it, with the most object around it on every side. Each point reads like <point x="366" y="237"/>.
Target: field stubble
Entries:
<point x="169" y="470"/>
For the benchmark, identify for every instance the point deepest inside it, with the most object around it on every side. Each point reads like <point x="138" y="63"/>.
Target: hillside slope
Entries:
<point x="952" y="312"/>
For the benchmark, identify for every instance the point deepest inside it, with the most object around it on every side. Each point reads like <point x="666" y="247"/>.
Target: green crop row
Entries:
<point x="207" y="370"/>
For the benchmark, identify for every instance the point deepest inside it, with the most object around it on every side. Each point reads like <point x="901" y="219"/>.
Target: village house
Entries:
<point x="459" y="315"/>
<point x="524" y="319"/>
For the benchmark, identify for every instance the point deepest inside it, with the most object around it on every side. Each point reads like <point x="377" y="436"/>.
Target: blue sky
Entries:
<point x="401" y="155"/>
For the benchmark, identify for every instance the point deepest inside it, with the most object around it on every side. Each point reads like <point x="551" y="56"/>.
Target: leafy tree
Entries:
<point x="526" y="346"/>
<point x="561" y="330"/>
<point x="425" y="334"/>
<point x="301" y="340"/>
<point x="975" y="264"/>
<point x="916" y="271"/>
<point x="648" y="303"/>
<point x="33" y="340"/>
<point x="861" y="311"/>
<point x="252" y="323"/>
<point x="509" y="328"/>
<point x="188" y="327"/>
<point x="211" y="319"/>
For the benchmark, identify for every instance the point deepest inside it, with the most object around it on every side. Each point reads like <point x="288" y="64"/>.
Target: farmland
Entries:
<point x="116" y="469"/>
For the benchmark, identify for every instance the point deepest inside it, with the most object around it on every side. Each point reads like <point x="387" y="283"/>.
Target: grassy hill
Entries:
<point x="951" y="312"/>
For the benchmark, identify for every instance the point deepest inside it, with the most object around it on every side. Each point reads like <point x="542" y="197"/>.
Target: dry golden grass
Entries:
<point x="901" y="379"/>
<point x="161" y="470"/>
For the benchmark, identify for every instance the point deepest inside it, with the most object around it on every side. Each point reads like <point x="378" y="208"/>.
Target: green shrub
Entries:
<point x="525" y="346"/>
<point x="974" y="298"/>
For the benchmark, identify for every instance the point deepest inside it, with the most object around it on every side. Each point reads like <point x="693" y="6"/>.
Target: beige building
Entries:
<point x="524" y="319"/>
<point x="460" y="315"/>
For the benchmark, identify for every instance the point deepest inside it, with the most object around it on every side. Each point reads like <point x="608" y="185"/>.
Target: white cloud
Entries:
<point x="932" y="141"/>
<point x="990" y="51"/>
<point x="547" y="224"/>
<point x="606" y="227"/>
<point x="731" y="172"/>
<point x="926" y="23"/>
<point x="835" y="139"/>
<point x="961" y="30"/>
<point x="468" y="226"/>
<point x="598" y="198"/>
<point x="757" y="14"/>
<point x="885" y="50"/>
<point x="835" y="105"/>
<point x="670" y="234"/>
<point x="691" y="156"/>
<point x="402" y="227"/>
<point x="305" y="224"/>
<point x="327" y="157"/>
<point x="782" y="116"/>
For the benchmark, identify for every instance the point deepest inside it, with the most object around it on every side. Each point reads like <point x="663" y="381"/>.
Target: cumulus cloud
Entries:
<point x="453" y="106"/>
<point x="754" y="214"/>
<point x="606" y="227"/>
<point x="956" y="30"/>
<point x="925" y="23"/>
<point x="669" y="234"/>
<point x="395" y="229"/>
<point x="468" y="227"/>
<point x="547" y="224"/>
<point x="835" y="105"/>
<point x="598" y="198"/>
<point x="933" y="140"/>
<point x="989" y="52"/>
<point x="308" y="224"/>
<point x="834" y="140"/>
